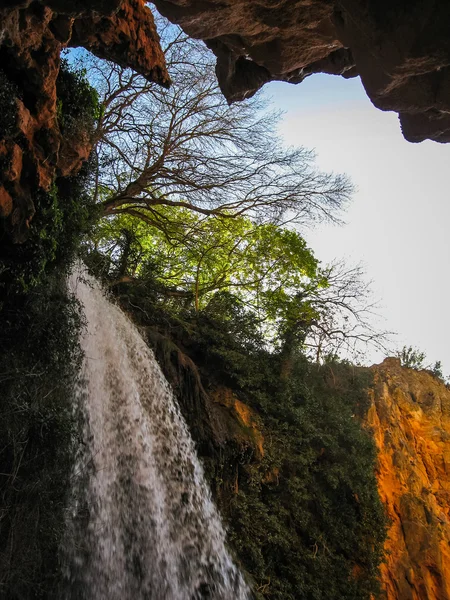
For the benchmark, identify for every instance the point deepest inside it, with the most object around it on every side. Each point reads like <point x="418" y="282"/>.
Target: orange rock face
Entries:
<point x="410" y="419"/>
<point x="248" y="431"/>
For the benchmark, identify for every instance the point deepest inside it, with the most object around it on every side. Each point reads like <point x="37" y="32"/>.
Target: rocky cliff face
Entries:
<point x="32" y="35"/>
<point x="400" y="49"/>
<point x="410" y="418"/>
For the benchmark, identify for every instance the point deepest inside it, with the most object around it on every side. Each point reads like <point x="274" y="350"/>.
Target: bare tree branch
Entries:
<point x="186" y="147"/>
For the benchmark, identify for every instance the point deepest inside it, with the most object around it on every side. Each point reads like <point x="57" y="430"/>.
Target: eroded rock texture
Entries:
<point x="400" y="48"/>
<point x="410" y="417"/>
<point x="32" y="35"/>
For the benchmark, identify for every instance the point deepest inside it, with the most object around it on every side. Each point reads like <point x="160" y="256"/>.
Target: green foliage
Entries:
<point x="268" y="269"/>
<point x="78" y="105"/>
<point x="38" y="429"/>
<point x="66" y="212"/>
<point x="63" y="216"/>
<point x="412" y="358"/>
<point x="307" y="522"/>
<point x="189" y="259"/>
<point x="436" y="369"/>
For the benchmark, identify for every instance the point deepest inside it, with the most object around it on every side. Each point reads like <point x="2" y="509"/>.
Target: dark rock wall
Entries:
<point x="400" y="49"/>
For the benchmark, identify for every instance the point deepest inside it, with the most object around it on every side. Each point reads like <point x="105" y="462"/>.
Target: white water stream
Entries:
<point x="143" y="524"/>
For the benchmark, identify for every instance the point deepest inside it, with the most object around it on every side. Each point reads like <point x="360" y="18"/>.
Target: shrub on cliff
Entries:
<point x="307" y="522"/>
<point x="413" y="358"/>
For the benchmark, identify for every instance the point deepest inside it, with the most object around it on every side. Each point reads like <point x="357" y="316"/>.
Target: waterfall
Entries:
<point x="142" y="523"/>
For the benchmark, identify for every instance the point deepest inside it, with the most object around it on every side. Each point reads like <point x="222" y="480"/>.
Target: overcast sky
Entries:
<point x="399" y="219"/>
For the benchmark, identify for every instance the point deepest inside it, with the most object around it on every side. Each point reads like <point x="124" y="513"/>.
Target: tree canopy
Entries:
<point x="194" y="258"/>
<point x="269" y="270"/>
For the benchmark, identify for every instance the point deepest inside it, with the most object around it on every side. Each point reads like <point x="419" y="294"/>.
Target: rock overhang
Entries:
<point x="399" y="48"/>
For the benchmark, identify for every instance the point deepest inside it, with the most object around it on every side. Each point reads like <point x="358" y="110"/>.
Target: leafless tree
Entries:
<point x="186" y="147"/>
<point x="346" y="326"/>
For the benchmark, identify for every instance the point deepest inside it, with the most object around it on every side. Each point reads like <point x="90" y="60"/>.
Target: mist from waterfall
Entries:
<point x="142" y="523"/>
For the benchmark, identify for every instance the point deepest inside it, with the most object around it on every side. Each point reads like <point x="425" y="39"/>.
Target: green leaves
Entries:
<point x="307" y="522"/>
<point x="268" y="269"/>
<point x="77" y="101"/>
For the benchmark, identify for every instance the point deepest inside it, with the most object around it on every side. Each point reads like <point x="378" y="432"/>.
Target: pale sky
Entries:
<point x="397" y="224"/>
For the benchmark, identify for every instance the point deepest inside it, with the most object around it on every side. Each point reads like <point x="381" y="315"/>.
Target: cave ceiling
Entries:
<point x="400" y="49"/>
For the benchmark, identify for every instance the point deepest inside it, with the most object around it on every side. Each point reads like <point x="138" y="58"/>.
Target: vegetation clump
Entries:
<point x="77" y="101"/>
<point x="413" y="358"/>
<point x="41" y="357"/>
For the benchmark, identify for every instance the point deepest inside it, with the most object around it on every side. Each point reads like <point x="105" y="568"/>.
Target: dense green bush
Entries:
<point x="77" y="101"/>
<point x="315" y="528"/>
<point x="38" y="429"/>
<point x="307" y="522"/>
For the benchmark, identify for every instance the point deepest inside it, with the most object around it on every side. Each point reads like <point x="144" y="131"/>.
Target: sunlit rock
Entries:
<point x="410" y="419"/>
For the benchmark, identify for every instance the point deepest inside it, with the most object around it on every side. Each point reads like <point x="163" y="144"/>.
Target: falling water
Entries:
<point x="142" y="525"/>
